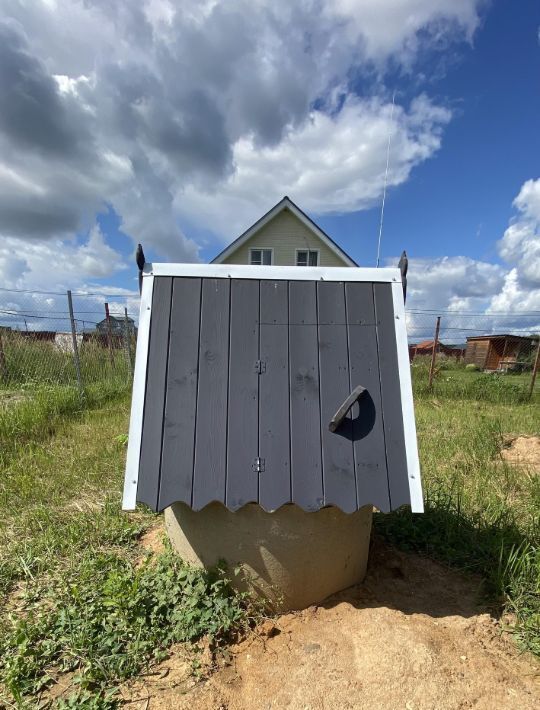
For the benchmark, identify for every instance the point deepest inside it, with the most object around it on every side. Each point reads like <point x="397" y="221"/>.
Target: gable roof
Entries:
<point x="285" y="204"/>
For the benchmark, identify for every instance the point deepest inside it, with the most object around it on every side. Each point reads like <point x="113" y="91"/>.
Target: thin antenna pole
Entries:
<point x="385" y="180"/>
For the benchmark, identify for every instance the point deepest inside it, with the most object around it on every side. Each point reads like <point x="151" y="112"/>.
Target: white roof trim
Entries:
<point x="276" y="273"/>
<point x="129" y="500"/>
<point x="284" y="204"/>
<point x="407" y="404"/>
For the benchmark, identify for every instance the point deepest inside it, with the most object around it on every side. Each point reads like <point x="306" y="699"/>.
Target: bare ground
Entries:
<point x="413" y="636"/>
<point x="522" y="451"/>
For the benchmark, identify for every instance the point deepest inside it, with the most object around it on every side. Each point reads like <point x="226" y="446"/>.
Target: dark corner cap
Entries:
<point x="403" y="263"/>
<point x="139" y="257"/>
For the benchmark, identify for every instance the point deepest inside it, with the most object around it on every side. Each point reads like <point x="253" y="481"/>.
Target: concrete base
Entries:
<point x="290" y="557"/>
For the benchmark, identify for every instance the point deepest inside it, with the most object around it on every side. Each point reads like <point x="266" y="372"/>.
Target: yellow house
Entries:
<point x="284" y="236"/>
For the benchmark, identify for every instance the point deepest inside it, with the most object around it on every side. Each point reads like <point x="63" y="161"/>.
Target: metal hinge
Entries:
<point x="260" y="366"/>
<point x="258" y="464"/>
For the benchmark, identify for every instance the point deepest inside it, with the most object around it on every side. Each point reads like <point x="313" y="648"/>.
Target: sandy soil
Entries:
<point x="413" y="636"/>
<point x="522" y="451"/>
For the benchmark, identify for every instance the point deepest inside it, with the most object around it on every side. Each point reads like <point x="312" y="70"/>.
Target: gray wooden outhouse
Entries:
<point x="272" y="385"/>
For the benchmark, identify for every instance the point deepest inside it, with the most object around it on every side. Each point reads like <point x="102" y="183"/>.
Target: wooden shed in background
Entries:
<point x="426" y="348"/>
<point x="498" y="352"/>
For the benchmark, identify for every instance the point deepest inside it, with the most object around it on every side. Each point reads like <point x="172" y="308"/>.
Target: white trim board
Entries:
<point x="407" y="404"/>
<point x="285" y="204"/>
<point x="276" y="273"/>
<point x="129" y="500"/>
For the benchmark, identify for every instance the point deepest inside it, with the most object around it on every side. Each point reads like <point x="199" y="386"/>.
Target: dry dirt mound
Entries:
<point x="522" y="451"/>
<point x="413" y="636"/>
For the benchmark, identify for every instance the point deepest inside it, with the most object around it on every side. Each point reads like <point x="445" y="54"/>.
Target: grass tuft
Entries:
<point x="106" y="619"/>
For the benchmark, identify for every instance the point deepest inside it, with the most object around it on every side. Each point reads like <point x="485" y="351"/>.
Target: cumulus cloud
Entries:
<point x="520" y="244"/>
<point x="334" y="163"/>
<point x="482" y="297"/>
<point x="453" y="283"/>
<point x="53" y="264"/>
<point x="174" y="111"/>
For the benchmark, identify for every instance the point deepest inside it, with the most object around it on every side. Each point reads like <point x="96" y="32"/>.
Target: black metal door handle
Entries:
<point x="347" y="404"/>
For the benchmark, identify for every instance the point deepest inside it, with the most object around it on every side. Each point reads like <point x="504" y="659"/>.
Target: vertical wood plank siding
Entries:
<point x="337" y="448"/>
<point x="211" y="425"/>
<point x="242" y="419"/>
<point x="181" y="396"/>
<point x="394" y="435"/>
<point x="306" y="463"/>
<point x="274" y="425"/>
<point x="368" y="432"/>
<point x="156" y="378"/>
<point x="213" y="416"/>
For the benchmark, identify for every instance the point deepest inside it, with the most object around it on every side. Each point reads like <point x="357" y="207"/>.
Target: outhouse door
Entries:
<point x="274" y="391"/>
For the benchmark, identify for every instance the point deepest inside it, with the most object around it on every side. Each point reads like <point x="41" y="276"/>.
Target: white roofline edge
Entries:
<point x="276" y="273"/>
<point x="407" y="403"/>
<point x="131" y="480"/>
<point x="284" y="204"/>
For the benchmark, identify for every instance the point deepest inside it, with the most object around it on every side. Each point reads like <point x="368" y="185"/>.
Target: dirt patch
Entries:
<point x="522" y="451"/>
<point x="413" y="636"/>
<point x="152" y="541"/>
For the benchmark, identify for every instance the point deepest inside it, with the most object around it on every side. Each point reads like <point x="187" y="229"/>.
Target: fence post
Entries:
<point x="534" y="370"/>
<point x="75" y="346"/>
<point x="3" y="363"/>
<point x="434" y="352"/>
<point x="109" y="334"/>
<point x="127" y="341"/>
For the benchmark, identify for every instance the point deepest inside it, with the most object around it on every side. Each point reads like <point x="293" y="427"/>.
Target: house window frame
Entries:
<point x="308" y="250"/>
<point x="261" y="249"/>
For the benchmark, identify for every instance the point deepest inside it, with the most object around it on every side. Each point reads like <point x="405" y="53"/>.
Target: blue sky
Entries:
<point x="140" y="122"/>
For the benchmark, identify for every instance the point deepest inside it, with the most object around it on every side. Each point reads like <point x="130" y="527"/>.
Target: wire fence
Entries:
<point x="447" y="348"/>
<point x="79" y="339"/>
<point x="87" y="339"/>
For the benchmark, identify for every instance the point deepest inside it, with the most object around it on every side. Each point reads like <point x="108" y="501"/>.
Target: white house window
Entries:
<point x="307" y="257"/>
<point x="260" y="257"/>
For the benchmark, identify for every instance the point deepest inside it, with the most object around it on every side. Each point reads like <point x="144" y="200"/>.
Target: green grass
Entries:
<point x="31" y="415"/>
<point x="76" y="598"/>
<point x="482" y="514"/>
<point x="453" y="381"/>
<point x="31" y="363"/>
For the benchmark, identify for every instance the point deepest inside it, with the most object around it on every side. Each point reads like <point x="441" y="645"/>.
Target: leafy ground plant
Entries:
<point x="106" y="619"/>
<point x="78" y="602"/>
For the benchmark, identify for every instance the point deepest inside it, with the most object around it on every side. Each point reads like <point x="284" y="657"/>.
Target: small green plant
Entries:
<point x="122" y="439"/>
<point x="107" y="619"/>
<point x="471" y="367"/>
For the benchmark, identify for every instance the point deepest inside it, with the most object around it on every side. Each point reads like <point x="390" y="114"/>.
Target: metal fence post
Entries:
<point x="534" y="370"/>
<point x="434" y="352"/>
<point x="75" y="346"/>
<point x="109" y="334"/>
<point x="127" y="342"/>
<point x="3" y="363"/>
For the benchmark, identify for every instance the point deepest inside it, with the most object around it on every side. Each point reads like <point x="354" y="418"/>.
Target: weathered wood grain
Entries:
<point x="274" y="431"/>
<point x="306" y="463"/>
<point x="242" y="445"/>
<point x="181" y="394"/>
<point x="154" y="402"/>
<point x="337" y="449"/>
<point x="211" y="427"/>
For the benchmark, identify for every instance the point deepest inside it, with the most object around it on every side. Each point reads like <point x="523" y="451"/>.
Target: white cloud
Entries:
<point x="332" y="164"/>
<point x="455" y="283"/>
<point x="480" y="297"/>
<point x="152" y="106"/>
<point x="520" y="244"/>
<point x="53" y="264"/>
<point x="389" y="27"/>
